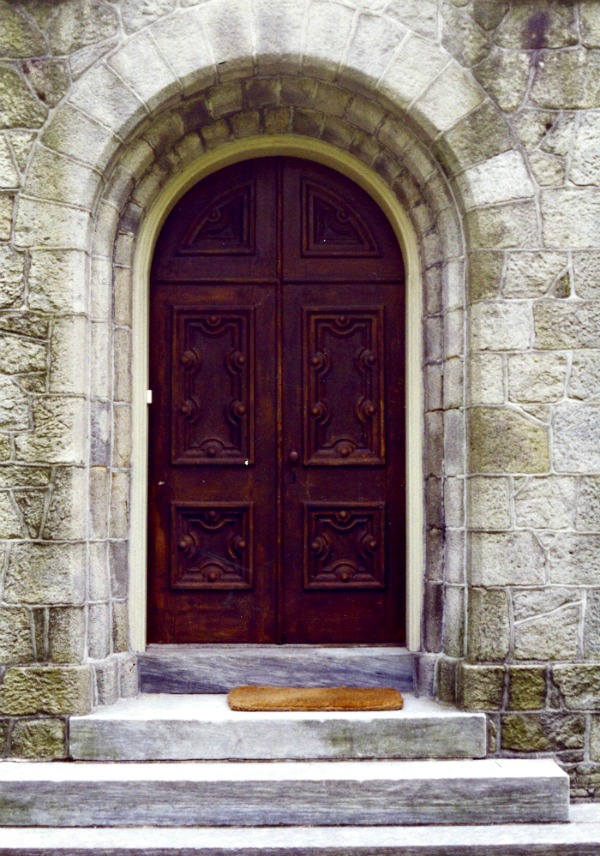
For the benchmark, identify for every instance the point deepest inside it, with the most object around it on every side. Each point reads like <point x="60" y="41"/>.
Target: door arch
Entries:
<point x="276" y="509"/>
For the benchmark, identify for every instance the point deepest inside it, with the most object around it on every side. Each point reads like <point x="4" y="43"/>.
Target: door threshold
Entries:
<point x="219" y="668"/>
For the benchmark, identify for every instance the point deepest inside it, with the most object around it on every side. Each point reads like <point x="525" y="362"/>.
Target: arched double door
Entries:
<point x="276" y="463"/>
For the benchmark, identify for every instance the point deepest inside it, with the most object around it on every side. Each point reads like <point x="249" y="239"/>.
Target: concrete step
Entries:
<point x="202" y="727"/>
<point x="219" y="668"/>
<point x="581" y="837"/>
<point x="315" y="793"/>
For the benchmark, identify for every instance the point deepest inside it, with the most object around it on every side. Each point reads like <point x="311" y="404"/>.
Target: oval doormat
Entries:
<point x="314" y="698"/>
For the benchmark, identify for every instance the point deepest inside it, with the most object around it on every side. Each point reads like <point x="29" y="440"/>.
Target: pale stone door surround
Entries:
<point x="205" y="86"/>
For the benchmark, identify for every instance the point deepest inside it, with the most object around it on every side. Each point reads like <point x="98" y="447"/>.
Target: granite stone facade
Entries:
<point x="483" y="118"/>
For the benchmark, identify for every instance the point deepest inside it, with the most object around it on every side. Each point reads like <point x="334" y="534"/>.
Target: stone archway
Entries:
<point x="131" y="124"/>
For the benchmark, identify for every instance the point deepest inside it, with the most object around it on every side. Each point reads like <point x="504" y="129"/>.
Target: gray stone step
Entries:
<point x="219" y="668"/>
<point x="335" y="793"/>
<point x="581" y="837"/>
<point x="202" y="727"/>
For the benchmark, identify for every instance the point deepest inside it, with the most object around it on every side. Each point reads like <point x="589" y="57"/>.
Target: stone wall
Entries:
<point x="482" y="116"/>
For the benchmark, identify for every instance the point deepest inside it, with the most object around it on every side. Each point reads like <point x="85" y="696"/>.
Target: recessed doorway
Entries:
<point x="276" y="464"/>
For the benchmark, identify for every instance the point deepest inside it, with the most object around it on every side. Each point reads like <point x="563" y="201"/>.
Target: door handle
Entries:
<point x="294" y="457"/>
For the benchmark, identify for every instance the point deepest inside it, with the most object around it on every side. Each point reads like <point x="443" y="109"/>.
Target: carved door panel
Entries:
<point x="276" y="441"/>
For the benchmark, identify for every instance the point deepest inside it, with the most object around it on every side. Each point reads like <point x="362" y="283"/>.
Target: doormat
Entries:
<point x="314" y="698"/>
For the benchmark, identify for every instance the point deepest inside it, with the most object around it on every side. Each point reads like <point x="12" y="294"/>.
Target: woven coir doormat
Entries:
<point x="314" y="698"/>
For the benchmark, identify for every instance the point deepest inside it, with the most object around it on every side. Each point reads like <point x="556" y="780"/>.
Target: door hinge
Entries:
<point x="148" y="396"/>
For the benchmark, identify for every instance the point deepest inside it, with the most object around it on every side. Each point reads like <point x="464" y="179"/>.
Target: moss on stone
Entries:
<point x="40" y="739"/>
<point x="50" y="690"/>
<point x="481" y="687"/>
<point x="527" y="687"/>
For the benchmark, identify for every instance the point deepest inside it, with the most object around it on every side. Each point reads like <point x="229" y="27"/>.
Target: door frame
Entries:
<point x="354" y="169"/>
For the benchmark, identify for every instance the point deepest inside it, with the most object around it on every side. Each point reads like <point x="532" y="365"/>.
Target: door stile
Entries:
<point x="279" y="405"/>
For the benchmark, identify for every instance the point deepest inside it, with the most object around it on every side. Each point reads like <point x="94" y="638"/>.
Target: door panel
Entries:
<point x="277" y="427"/>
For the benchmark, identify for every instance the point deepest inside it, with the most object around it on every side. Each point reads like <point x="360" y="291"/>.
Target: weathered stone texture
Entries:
<point x="47" y="689"/>
<point x="16" y="642"/>
<point x="542" y="732"/>
<point x="527" y="688"/>
<point x="505" y="441"/>
<point x="545" y="503"/>
<point x="536" y="377"/>
<point x="552" y="636"/>
<point x="512" y="558"/>
<point x="45" y="573"/>
<point x="574" y="559"/>
<point x="588" y="509"/>
<point x="576" y="431"/>
<point x="579" y="685"/>
<point x="481" y="687"/>
<point x="489" y="626"/>
<point x="501" y="326"/>
<point x="584" y="381"/>
<point x="566" y="325"/>
<point x="40" y="740"/>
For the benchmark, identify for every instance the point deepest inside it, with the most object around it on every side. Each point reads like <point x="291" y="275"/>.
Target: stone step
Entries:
<point x="219" y="668"/>
<point x="202" y="727"/>
<point x="580" y="837"/>
<point x="315" y="793"/>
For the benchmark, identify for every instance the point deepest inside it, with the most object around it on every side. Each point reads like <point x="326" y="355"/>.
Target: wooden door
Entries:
<point x="276" y="464"/>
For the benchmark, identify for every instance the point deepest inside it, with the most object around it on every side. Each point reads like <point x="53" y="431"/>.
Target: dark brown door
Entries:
<point x="277" y="426"/>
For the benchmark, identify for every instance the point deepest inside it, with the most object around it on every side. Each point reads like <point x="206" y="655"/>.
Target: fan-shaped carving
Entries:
<point x="330" y="226"/>
<point x="226" y="225"/>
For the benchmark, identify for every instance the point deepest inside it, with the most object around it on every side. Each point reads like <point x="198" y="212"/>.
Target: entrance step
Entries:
<point x="191" y="727"/>
<point x="219" y="668"/>
<point x="580" y="837"/>
<point x="333" y="793"/>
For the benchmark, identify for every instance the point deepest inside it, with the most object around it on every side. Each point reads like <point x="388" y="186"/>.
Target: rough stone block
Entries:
<point x="60" y="432"/>
<point x="584" y="380"/>
<point x="570" y="215"/>
<point x="21" y="356"/>
<point x="104" y="97"/>
<point x="553" y="636"/>
<point x="576" y="432"/>
<point x="120" y="627"/>
<point x="228" y="29"/>
<point x="327" y="37"/>
<point x="505" y="76"/>
<point x="11" y="524"/>
<point x="128" y="677"/>
<point x="454" y="620"/>
<point x="66" y="635"/>
<point x="588" y="507"/>
<point x="560" y="324"/>
<point x="122" y="345"/>
<point x="73" y="133"/>
<point x="99" y="631"/>
<point x="11" y="276"/>
<point x="278" y="33"/>
<point x="20" y="108"/>
<point x="481" y="687"/>
<point x="454" y="556"/>
<point x="450" y="96"/>
<point x="505" y="441"/>
<point x="45" y="573"/>
<point x="500" y="326"/>
<point x="591" y="628"/>
<point x="56" y="177"/>
<point x="503" y="226"/>
<point x="38" y="740"/>
<point x="16" y="642"/>
<point x="512" y="558"/>
<point x="141" y="66"/>
<point x="545" y="503"/>
<point x="527" y="688"/>
<point x="489" y="626"/>
<point x="536" y="377"/>
<point x="502" y="178"/>
<point x="69" y="356"/>
<point x="486" y="379"/>
<point x="53" y="690"/>
<point x="49" y="224"/>
<point x="579" y="685"/>
<point x="412" y="70"/>
<point x="122" y="436"/>
<point x="488" y="503"/>
<point x="454" y="442"/>
<point x="100" y="433"/>
<point x="567" y="79"/>
<point x="14" y="406"/>
<point x="98" y="574"/>
<point x="57" y="281"/>
<point x="574" y="559"/>
<point x="454" y="504"/>
<point x="107" y="682"/>
<point x="119" y="505"/>
<point x="485" y="274"/>
<point x="542" y="732"/>
<point x="585" y="158"/>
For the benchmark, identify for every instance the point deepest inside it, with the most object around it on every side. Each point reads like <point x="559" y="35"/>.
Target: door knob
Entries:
<point x="294" y="457"/>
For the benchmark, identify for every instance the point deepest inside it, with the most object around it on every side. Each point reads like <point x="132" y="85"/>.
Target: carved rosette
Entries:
<point x="213" y="386"/>
<point x="212" y="546"/>
<point x="343" y="387"/>
<point x="344" y="546"/>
